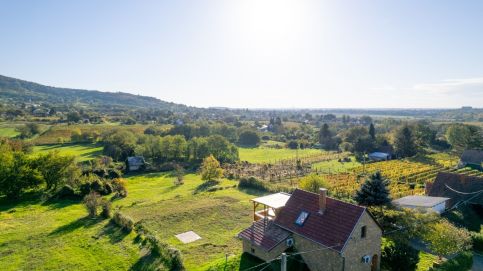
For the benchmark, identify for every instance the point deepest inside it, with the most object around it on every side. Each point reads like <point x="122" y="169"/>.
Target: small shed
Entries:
<point x="472" y="158"/>
<point x="428" y="203"/>
<point x="135" y="163"/>
<point x="270" y="203"/>
<point x="379" y="156"/>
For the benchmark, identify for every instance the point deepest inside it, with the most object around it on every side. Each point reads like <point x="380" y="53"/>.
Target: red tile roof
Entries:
<point x="330" y="229"/>
<point x="447" y="183"/>
<point x="264" y="234"/>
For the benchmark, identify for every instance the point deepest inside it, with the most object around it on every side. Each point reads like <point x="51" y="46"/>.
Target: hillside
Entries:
<point x="20" y="91"/>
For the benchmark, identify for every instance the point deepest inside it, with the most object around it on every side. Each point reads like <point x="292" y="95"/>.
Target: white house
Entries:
<point x="432" y="204"/>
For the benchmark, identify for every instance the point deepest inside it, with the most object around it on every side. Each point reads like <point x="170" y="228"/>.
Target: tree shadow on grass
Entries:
<point x="253" y="191"/>
<point x="60" y="203"/>
<point x="149" y="261"/>
<point x="84" y="222"/>
<point x="205" y="186"/>
<point x="113" y="232"/>
<point x="26" y="199"/>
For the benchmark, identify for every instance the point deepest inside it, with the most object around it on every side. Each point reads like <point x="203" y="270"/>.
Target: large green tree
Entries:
<point x="404" y="142"/>
<point x="374" y="191"/>
<point x="210" y="169"/>
<point x="462" y="137"/>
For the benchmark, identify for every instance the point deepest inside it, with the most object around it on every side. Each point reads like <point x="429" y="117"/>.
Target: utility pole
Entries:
<point x="284" y="262"/>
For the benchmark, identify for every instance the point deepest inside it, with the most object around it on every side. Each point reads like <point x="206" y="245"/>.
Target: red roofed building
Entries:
<point x="329" y="234"/>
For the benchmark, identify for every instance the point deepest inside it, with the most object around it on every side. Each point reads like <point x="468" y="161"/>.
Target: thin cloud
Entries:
<point x="466" y="86"/>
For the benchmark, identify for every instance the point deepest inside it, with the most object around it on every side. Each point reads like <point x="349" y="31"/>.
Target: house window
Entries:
<point x="302" y="218"/>
<point x="363" y="232"/>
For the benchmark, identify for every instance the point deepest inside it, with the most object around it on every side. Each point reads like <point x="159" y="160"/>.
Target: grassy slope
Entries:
<point x="168" y="210"/>
<point x="271" y="155"/>
<point x="8" y="132"/>
<point x="82" y="151"/>
<point x="59" y="236"/>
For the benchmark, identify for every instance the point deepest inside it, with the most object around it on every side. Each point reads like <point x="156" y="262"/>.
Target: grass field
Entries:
<point x="82" y="151"/>
<point x="271" y="155"/>
<point x="36" y="236"/>
<point x="334" y="166"/>
<point x="8" y="132"/>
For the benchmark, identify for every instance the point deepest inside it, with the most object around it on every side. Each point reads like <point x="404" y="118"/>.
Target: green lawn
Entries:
<point x="82" y="151"/>
<point x="60" y="237"/>
<point x="36" y="236"/>
<point x="8" y="132"/>
<point x="334" y="166"/>
<point x="271" y="155"/>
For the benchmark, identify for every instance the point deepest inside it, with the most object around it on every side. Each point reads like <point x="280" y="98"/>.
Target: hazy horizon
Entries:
<point x="258" y="54"/>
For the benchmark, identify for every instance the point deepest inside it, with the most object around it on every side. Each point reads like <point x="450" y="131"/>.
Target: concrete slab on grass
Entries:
<point x="188" y="237"/>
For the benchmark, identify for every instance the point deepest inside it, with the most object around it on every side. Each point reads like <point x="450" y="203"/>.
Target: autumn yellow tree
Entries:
<point x="210" y="169"/>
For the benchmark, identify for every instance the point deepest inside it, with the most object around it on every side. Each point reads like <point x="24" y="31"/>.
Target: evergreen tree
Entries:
<point x="325" y="137"/>
<point x="373" y="192"/>
<point x="372" y="131"/>
<point x="404" y="142"/>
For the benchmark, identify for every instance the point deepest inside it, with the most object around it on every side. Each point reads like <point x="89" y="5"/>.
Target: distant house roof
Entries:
<point x="420" y="201"/>
<point x="379" y="155"/>
<point x="474" y="157"/>
<point x="331" y="228"/>
<point x="451" y="184"/>
<point x="135" y="160"/>
<point x="264" y="234"/>
<point x="276" y="200"/>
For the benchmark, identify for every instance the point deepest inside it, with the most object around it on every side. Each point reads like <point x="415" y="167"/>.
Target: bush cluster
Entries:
<point x="171" y="256"/>
<point x="477" y="239"/>
<point x="254" y="183"/>
<point x="462" y="262"/>
<point x="123" y="221"/>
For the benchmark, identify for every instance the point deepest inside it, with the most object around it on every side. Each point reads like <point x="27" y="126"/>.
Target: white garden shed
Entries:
<point x="432" y="204"/>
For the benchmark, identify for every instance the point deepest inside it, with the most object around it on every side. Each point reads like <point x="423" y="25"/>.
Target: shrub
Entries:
<point x="396" y="255"/>
<point x="172" y="256"/>
<point x="119" y="186"/>
<point x="123" y="221"/>
<point x="252" y="183"/>
<point x="108" y="188"/>
<point x="477" y="239"/>
<point x="106" y="209"/>
<point x="97" y="186"/>
<point x="313" y="183"/>
<point x="66" y="192"/>
<point x="92" y="201"/>
<point x="462" y="262"/>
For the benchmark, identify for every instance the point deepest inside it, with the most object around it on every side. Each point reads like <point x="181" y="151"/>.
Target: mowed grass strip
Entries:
<point x="8" y="132"/>
<point x="82" y="151"/>
<point x="272" y="155"/>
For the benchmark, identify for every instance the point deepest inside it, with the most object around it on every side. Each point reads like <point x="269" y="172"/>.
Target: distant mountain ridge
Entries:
<point x="16" y="90"/>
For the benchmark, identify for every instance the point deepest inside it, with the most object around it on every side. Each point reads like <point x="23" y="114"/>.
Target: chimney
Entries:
<point x="322" y="200"/>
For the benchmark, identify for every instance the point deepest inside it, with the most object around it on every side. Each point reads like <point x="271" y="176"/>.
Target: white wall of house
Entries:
<point x="439" y="208"/>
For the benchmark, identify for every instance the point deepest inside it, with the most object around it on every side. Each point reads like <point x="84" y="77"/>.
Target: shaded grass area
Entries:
<point x="38" y="236"/>
<point x="271" y="155"/>
<point x="467" y="216"/>
<point x="82" y="151"/>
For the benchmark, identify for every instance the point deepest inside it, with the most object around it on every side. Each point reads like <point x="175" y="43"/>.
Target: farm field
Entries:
<point x="272" y="155"/>
<point x="82" y="151"/>
<point x="58" y="234"/>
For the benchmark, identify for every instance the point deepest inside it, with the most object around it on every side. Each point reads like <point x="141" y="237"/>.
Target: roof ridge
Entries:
<point x="332" y="198"/>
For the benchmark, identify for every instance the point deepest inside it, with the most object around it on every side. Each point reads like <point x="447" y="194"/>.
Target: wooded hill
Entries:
<point x="20" y="91"/>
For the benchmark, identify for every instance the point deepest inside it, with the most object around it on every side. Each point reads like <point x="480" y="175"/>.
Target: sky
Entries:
<point x="253" y="53"/>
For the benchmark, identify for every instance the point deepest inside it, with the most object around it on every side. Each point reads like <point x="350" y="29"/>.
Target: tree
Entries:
<point x="312" y="183"/>
<point x="326" y="138"/>
<point x="397" y="255"/>
<point x="404" y="142"/>
<point x="179" y="172"/>
<point x="462" y="137"/>
<point x="445" y="239"/>
<point x="364" y="144"/>
<point x="210" y="169"/>
<point x="119" y="144"/>
<point x="372" y="131"/>
<point x="57" y="169"/>
<point x="373" y="192"/>
<point x="92" y="201"/>
<point x="18" y="172"/>
<point x="249" y="138"/>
